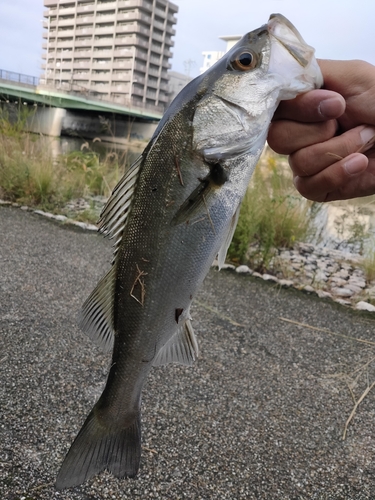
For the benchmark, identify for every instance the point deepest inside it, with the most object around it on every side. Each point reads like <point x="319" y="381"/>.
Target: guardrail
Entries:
<point x="19" y="78"/>
<point x="74" y="89"/>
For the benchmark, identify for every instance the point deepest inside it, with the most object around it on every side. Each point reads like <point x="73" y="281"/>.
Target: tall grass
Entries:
<point x="29" y="173"/>
<point x="273" y="215"/>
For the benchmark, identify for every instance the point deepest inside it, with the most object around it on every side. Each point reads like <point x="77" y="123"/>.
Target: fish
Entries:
<point x="175" y="211"/>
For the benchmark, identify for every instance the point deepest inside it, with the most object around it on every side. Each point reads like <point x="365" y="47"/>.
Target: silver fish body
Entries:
<point x="170" y="216"/>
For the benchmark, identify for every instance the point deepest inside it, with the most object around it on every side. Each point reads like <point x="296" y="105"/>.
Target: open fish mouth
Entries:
<point x="285" y="36"/>
<point x="288" y="35"/>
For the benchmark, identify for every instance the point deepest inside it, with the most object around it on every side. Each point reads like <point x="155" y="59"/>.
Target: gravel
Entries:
<point x="260" y="416"/>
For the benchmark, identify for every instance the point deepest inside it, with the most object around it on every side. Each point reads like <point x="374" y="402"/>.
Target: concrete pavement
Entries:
<point x="260" y="415"/>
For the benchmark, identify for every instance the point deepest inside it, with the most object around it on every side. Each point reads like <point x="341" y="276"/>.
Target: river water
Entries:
<point x="346" y="225"/>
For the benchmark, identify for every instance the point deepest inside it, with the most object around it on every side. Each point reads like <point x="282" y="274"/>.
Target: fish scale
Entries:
<point x="170" y="216"/>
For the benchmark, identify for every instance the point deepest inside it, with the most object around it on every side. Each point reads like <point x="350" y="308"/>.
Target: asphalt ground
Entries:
<point x="260" y="415"/>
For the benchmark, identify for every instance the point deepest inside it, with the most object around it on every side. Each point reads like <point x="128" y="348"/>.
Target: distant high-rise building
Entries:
<point x="114" y="49"/>
<point x="211" y="57"/>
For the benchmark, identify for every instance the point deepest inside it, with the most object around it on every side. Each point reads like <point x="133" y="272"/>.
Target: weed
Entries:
<point x="368" y="261"/>
<point x="272" y="215"/>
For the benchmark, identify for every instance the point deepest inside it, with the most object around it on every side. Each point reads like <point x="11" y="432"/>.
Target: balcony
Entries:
<point x="105" y="30"/>
<point x="108" y="18"/>
<point x="82" y="65"/>
<point x="153" y="72"/>
<point x="125" y="65"/>
<point x="85" y="20"/>
<point x="101" y="65"/>
<point x="106" y="6"/>
<point x="84" y="31"/>
<point x="131" y="28"/>
<point x="102" y="54"/>
<point x="133" y="40"/>
<point x="158" y="25"/>
<point x="83" y="43"/>
<point x="81" y="9"/>
<point x="86" y="54"/>
<point x="62" y="45"/>
<point x="134" y="3"/>
<point x="124" y="88"/>
<point x="67" y="22"/>
<point x="101" y="75"/>
<point x="102" y="42"/>
<point x="66" y="33"/>
<point x="134" y="16"/>
<point x="157" y="38"/>
<point x="170" y="30"/>
<point x="65" y="65"/>
<point x="80" y="76"/>
<point x="123" y="53"/>
<point x="100" y="87"/>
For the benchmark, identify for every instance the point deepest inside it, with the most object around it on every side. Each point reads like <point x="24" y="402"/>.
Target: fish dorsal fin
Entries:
<point x="114" y="216"/>
<point x="181" y="348"/>
<point x="228" y="238"/>
<point x="96" y="315"/>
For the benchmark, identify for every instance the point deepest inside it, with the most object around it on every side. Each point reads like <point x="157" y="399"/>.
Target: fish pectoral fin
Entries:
<point x="228" y="238"/>
<point x="197" y="203"/>
<point x="96" y="315"/>
<point x="194" y="205"/>
<point x="181" y="348"/>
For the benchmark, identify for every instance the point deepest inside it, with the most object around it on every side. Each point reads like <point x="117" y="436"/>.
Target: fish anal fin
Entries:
<point x="96" y="315"/>
<point x="181" y="348"/>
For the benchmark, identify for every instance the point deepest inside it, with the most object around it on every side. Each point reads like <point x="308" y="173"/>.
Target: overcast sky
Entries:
<point x="338" y="29"/>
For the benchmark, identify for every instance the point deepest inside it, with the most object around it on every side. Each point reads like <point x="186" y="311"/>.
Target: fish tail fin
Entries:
<point x="97" y="448"/>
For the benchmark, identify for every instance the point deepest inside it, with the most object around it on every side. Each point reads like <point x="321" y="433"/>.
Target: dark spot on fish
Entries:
<point x="177" y="314"/>
<point x="191" y="297"/>
<point x="153" y="189"/>
<point x="218" y="175"/>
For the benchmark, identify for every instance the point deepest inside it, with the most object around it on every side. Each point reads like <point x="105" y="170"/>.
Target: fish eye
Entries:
<point x="244" y="61"/>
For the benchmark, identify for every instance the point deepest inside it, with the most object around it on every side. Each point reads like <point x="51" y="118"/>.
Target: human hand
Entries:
<point x="318" y="128"/>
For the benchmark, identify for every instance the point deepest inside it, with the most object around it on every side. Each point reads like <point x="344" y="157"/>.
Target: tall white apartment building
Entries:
<point x="113" y="49"/>
<point x="211" y="57"/>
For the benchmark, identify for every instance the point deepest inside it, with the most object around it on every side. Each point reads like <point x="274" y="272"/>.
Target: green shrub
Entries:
<point x="273" y="215"/>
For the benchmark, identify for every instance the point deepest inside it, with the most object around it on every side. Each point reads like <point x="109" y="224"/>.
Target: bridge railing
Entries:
<point x="19" y="78"/>
<point x="73" y="88"/>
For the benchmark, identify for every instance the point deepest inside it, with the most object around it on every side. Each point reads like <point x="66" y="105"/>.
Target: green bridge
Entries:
<point x="15" y="87"/>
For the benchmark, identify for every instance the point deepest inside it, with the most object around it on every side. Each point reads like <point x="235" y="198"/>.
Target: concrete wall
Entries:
<point x="46" y="121"/>
<point x="91" y="125"/>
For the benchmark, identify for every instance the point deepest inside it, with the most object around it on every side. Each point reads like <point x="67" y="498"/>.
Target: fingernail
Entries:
<point x="367" y="135"/>
<point x="332" y="107"/>
<point x="355" y="164"/>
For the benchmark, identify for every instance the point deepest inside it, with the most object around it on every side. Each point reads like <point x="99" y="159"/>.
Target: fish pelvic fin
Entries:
<point x="228" y="238"/>
<point x="97" y="448"/>
<point x="181" y="348"/>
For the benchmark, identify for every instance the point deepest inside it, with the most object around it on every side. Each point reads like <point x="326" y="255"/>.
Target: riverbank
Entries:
<point x="328" y="273"/>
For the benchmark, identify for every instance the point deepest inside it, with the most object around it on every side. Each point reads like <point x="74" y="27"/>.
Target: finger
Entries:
<point x="285" y="137"/>
<point x="313" y="159"/>
<point x="314" y="106"/>
<point x="343" y="180"/>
